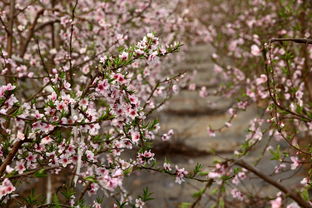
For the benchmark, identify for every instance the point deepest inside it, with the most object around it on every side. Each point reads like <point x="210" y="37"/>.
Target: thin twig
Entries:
<point x="296" y="40"/>
<point x="295" y="196"/>
<point x="70" y="42"/>
<point x="30" y="33"/>
<point x="208" y="184"/>
<point x="9" y="158"/>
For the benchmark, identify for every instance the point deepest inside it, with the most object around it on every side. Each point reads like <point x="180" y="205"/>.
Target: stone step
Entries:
<point x="192" y="130"/>
<point x="201" y="49"/>
<point x="198" y="58"/>
<point x="190" y="102"/>
<point x="205" y="67"/>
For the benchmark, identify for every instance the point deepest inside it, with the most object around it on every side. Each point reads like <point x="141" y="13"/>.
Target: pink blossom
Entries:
<point x="255" y="50"/>
<point x="304" y="181"/>
<point x="276" y="203"/>
<point x="135" y="136"/>
<point x="20" y="136"/>
<point x="214" y="175"/>
<point x="295" y="162"/>
<point x="180" y="174"/>
<point x="20" y="167"/>
<point x="119" y="78"/>
<point x="263" y="79"/>
<point x="192" y="86"/>
<point x="124" y="55"/>
<point x="293" y="205"/>
<point x="96" y="205"/>
<point x="211" y="132"/>
<point x="6" y="188"/>
<point x="139" y="203"/>
<point x="237" y="194"/>
<point x="167" y="166"/>
<point x="203" y="92"/>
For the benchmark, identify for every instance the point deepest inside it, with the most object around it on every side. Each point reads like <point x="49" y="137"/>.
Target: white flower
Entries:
<point x="150" y="35"/>
<point x="20" y="135"/>
<point x="295" y="163"/>
<point x="262" y="79"/>
<point x="255" y="50"/>
<point x="293" y="205"/>
<point x="103" y="59"/>
<point x="304" y="181"/>
<point x="124" y="55"/>
<point x="139" y="203"/>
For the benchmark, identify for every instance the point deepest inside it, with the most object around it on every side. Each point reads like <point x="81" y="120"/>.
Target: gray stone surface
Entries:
<point x="189" y="115"/>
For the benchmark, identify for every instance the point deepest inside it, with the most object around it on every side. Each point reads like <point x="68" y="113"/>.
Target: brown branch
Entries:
<point x="219" y="195"/>
<point x="52" y="27"/>
<point x="9" y="47"/>
<point x="84" y="191"/>
<point x="11" y="155"/>
<point x="172" y="173"/>
<point x="295" y="196"/>
<point x="5" y="27"/>
<point x="42" y="61"/>
<point x="10" y="29"/>
<point x="139" y="14"/>
<point x="31" y="172"/>
<point x="53" y="205"/>
<point x="208" y="184"/>
<point x="30" y="33"/>
<point x="43" y="25"/>
<point x="296" y="40"/>
<point x="71" y="43"/>
<point x="271" y="93"/>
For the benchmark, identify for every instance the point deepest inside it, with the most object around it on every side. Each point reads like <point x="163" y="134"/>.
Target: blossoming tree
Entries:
<point x="263" y="53"/>
<point x="79" y="81"/>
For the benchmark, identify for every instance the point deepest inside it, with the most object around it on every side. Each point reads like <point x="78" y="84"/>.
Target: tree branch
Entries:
<point x="30" y="33"/>
<point x="296" y="40"/>
<point x="295" y="196"/>
<point x="11" y="155"/>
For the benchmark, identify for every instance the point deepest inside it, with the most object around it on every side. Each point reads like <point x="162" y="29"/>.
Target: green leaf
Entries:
<point x="185" y="205"/>
<point x="90" y="178"/>
<point x="198" y="193"/>
<point x="40" y="173"/>
<point x="32" y="198"/>
<point x="146" y="195"/>
<point x="197" y="169"/>
<point x="18" y="112"/>
<point x="203" y="173"/>
<point x="305" y="195"/>
<point x="276" y="154"/>
<point x="236" y="170"/>
<point x="56" y="201"/>
<point x="68" y="193"/>
<point x="221" y="203"/>
<point x="128" y="171"/>
<point x="121" y="205"/>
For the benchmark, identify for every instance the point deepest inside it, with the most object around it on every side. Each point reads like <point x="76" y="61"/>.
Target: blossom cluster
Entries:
<point x="79" y="83"/>
<point x="262" y="55"/>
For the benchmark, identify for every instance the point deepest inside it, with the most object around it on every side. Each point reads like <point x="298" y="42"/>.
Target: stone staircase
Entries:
<point x="189" y="115"/>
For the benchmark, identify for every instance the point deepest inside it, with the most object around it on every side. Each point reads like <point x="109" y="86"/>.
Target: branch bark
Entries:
<point x="296" y="40"/>
<point x="9" y="47"/>
<point x="30" y="33"/>
<point x="9" y="158"/>
<point x="295" y="196"/>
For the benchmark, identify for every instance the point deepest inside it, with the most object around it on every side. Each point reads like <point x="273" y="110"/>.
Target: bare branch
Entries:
<point x="11" y="155"/>
<point x="296" y="40"/>
<point x="295" y="196"/>
<point x="30" y="33"/>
